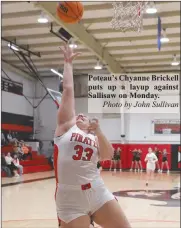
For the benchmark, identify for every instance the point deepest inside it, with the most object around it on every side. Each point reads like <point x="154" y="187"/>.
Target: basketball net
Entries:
<point x="128" y="15"/>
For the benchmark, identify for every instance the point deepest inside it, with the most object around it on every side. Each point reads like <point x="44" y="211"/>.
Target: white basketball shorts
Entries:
<point x="150" y="166"/>
<point x="75" y="201"/>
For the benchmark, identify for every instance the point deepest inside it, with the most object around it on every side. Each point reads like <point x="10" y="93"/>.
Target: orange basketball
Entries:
<point x="70" y="12"/>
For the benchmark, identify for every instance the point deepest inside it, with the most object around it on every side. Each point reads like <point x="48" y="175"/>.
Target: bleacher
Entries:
<point x="39" y="163"/>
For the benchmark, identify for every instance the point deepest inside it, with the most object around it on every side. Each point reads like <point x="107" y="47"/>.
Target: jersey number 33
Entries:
<point x="82" y="154"/>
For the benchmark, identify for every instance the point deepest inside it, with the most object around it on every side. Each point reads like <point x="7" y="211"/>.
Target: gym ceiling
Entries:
<point x="117" y="51"/>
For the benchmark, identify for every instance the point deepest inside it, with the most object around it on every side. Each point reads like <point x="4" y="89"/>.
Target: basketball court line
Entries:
<point x="132" y="220"/>
<point x="27" y="181"/>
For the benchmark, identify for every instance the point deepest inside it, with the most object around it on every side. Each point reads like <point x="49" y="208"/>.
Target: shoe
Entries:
<point x="130" y="170"/>
<point x="115" y="170"/>
<point x="120" y="170"/>
<point x="135" y="170"/>
<point x="168" y="171"/>
<point x="141" y="170"/>
<point x="17" y="175"/>
<point x="161" y="171"/>
<point x="138" y="170"/>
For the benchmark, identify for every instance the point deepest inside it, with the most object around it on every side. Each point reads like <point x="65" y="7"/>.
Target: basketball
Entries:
<point x="70" y="12"/>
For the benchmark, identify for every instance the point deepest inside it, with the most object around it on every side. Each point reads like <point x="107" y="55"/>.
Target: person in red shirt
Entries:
<point x="26" y="151"/>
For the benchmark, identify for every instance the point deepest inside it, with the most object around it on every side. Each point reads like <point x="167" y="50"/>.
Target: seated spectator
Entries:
<point x="10" y="138"/>
<point x="15" y="151"/>
<point x="10" y="165"/>
<point x="16" y="163"/>
<point x="26" y="151"/>
<point x="4" y="166"/>
<point x="3" y="139"/>
<point x="18" y="150"/>
<point x="16" y="143"/>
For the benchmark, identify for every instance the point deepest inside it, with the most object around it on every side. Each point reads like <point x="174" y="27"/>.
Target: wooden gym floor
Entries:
<point x="29" y="201"/>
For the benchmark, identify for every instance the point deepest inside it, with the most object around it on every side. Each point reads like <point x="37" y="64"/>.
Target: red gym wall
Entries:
<point x="126" y="155"/>
<point x="19" y="126"/>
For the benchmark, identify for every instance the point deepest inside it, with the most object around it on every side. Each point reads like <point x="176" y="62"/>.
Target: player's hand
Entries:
<point x="68" y="53"/>
<point x="94" y="125"/>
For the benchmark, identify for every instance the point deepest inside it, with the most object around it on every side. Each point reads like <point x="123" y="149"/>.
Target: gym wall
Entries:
<point x="139" y="128"/>
<point x="16" y="112"/>
<point x="18" y="126"/>
<point x="13" y="103"/>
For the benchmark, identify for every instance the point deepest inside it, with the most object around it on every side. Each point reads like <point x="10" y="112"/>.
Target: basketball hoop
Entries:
<point x="128" y="15"/>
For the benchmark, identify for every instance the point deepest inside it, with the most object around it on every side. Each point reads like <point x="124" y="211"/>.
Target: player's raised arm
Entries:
<point x="66" y="111"/>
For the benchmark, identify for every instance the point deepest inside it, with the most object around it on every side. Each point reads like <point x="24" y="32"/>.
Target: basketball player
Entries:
<point x="80" y="191"/>
<point x="117" y="159"/>
<point x="138" y="165"/>
<point x="151" y="159"/>
<point x="134" y="152"/>
<point x="164" y="160"/>
<point x="157" y="153"/>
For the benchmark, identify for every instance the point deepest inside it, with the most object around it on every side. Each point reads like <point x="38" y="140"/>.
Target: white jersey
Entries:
<point x="151" y="158"/>
<point x="76" y="157"/>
